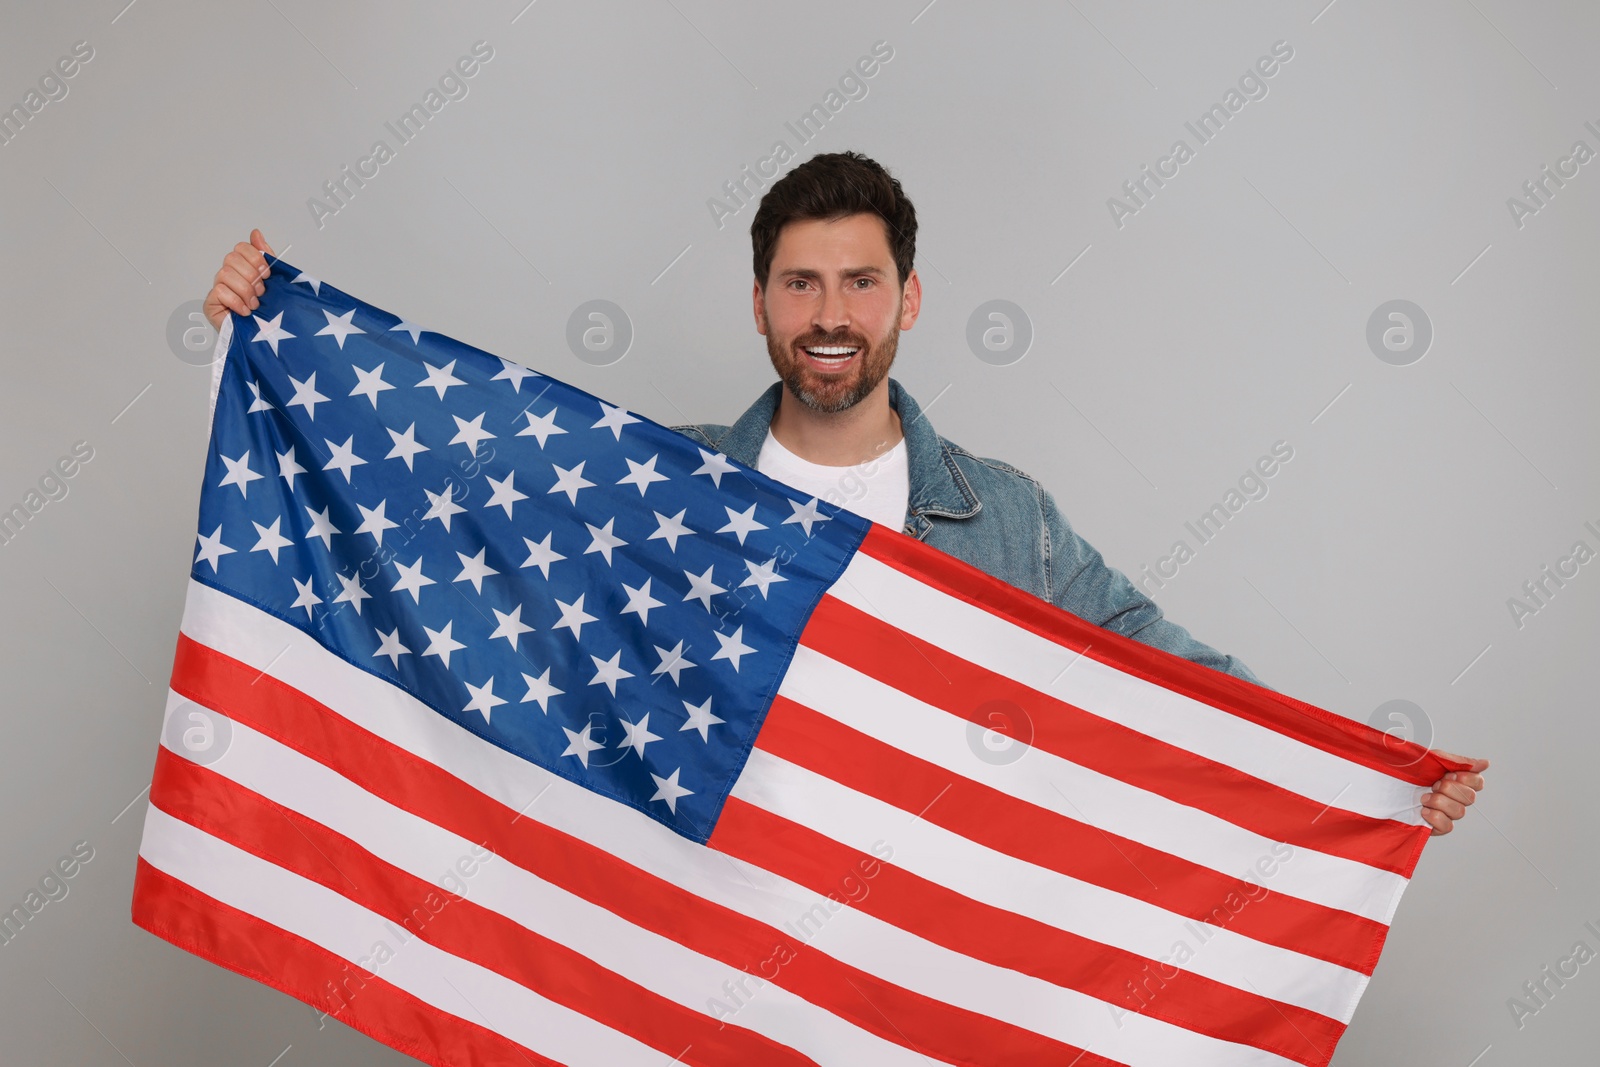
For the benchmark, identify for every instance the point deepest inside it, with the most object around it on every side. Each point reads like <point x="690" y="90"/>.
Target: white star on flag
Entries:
<point x="474" y="569"/>
<point x="409" y="327"/>
<point x="715" y="465"/>
<point x="580" y="744"/>
<point x="354" y="592"/>
<point x="373" y="520"/>
<point x="614" y="420"/>
<point x="307" y="599"/>
<point x="411" y="580"/>
<point x="637" y="735"/>
<point x="741" y="523"/>
<point x="405" y="445"/>
<point x="369" y="383"/>
<point x="640" y="602"/>
<point x="670" y="529"/>
<point x="511" y="625"/>
<point x="513" y="373"/>
<point x="672" y="662"/>
<point x="256" y="402"/>
<point x="642" y="474"/>
<point x="669" y="790"/>
<point x="440" y="378"/>
<point x="732" y="647"/>
<point x="569" y="481"/>
<point x="700" y="718"/>
<point x="212" y="548"/>
<point x="471" y="433"/>
<point x="540" y="690"/>
<point x="321" y="526"/>
<point x="540" y="426"/>
<point x="344" y="458"/>
<point x="271" y="331"/>
<point x="443" y="506"/>
<point x="270" y="539"/>
<point x="339" y="326"/>
<point x="805" y="514"/>
<point x="288" y="467"/>
<point x="609" y="672"/>
<point x="505" y="492"/>
<point x="702" y="588"/>
<point x="541" y="555"/>
<point x="306" y="395"/>
<point x="573" y="616"/>
<point x="239" y="473"/>
<point x="763" y="575"/>
<point x="389" y="645"/>
<point x="603" y="539"/>
<point x="483" y="698"/>
<point x="441" y="644"/>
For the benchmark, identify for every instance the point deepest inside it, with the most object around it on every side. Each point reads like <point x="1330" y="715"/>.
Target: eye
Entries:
<point x="865" y="279"/>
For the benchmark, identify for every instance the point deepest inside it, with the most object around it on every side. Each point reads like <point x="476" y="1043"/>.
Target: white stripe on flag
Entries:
<point x="1048" y="781"/>
<point x="453" y="985"/>
<point x="994" y="878"/>
<point x="991" y="642"/>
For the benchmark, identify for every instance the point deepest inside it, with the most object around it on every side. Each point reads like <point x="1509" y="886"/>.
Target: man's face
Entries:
<point x="833" y="309"/>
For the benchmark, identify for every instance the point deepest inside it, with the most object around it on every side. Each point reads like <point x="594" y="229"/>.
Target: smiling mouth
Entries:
<point x="829" y="357"/>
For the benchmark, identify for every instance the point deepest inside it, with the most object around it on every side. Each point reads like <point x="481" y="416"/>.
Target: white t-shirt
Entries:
<point x="876" y="489"/>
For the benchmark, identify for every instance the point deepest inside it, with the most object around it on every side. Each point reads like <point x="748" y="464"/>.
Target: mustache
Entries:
<point x="816" y="341"/>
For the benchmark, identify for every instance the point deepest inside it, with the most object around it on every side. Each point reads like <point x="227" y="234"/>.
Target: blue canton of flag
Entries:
<point x="572" y="582"/>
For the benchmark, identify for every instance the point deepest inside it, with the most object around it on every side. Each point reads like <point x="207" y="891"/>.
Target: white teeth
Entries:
<point x="831" y="351"/>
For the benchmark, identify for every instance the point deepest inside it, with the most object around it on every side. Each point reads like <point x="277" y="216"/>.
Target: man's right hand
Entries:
<point x="239" y="284"/>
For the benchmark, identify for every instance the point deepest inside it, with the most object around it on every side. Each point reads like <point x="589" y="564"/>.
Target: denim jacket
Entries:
<point x="1000" y="520"/>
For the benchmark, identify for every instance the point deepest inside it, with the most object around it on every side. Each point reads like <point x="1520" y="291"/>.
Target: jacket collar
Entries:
<point x="937" y="484"/>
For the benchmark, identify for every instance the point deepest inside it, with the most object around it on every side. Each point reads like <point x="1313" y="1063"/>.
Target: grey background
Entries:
<point x="1228" y="314"/>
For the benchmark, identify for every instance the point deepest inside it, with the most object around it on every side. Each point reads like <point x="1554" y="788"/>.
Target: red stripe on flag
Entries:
<point x="228" y="811"/>
<point x="1048" y="839"/>
<point x="1006" y="939"/>
<point x="239" y="941"/>
<point x="875" y="648"/>
<point x="924" y="1024"/>
<point x="1307" y="723"/>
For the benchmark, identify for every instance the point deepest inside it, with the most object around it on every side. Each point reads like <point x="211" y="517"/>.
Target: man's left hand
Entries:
<point x="1453" y="794"/>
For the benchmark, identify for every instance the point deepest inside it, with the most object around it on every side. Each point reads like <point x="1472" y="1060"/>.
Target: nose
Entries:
<point x="832" y="314"/>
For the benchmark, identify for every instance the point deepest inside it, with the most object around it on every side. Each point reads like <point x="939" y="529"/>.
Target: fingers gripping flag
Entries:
<point x="509" y="726"/>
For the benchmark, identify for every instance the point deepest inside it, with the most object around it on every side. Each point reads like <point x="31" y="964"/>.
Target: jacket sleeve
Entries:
<point x="1080" y="581"/>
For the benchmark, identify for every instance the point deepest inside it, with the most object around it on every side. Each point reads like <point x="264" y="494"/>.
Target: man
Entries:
<point x="834" y="244"/>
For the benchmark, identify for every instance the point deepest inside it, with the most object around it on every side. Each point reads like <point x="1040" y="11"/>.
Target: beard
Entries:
<point x="833" y="393"/>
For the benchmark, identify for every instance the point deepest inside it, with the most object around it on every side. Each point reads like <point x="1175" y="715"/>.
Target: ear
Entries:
<point x="911" y="301"/>
<point x="760" y="309"/>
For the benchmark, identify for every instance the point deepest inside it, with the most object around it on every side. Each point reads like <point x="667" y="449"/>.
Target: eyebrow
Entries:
<point x="804" y="272"/>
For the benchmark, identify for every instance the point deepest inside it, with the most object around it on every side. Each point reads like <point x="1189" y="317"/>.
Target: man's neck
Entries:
<point x="838" y="439"/>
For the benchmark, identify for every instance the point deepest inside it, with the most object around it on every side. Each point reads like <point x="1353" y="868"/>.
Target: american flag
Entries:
<point x="508" y="726"/>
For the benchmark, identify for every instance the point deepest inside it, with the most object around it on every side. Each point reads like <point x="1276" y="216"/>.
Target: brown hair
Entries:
<point x="834" y="185"/>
